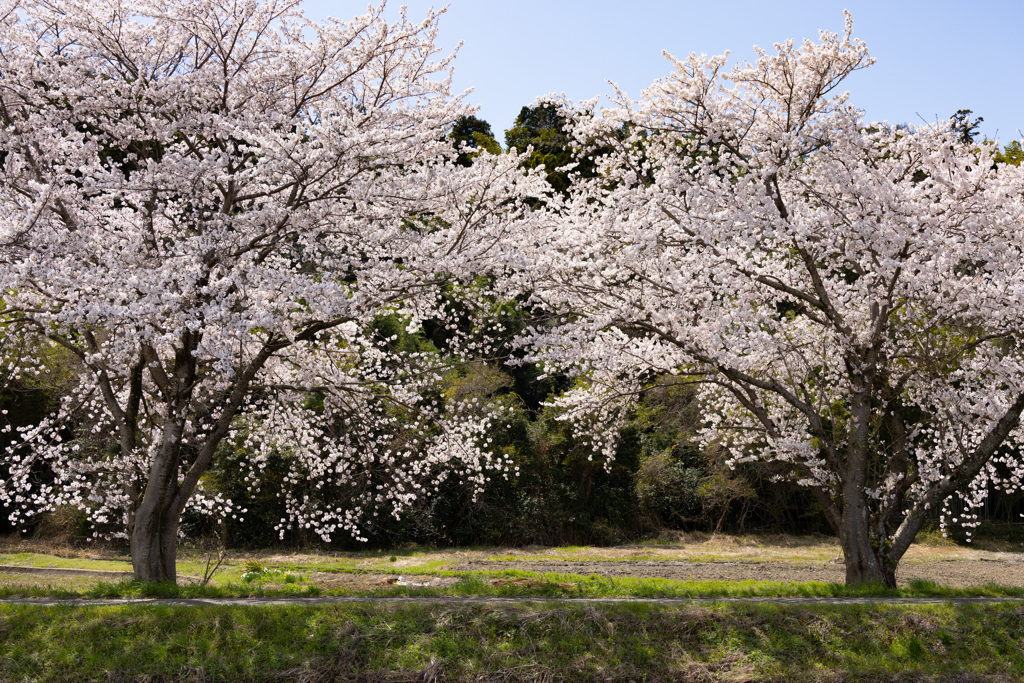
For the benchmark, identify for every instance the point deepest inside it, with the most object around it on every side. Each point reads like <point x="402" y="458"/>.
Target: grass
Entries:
<point x="512" y="643"/>
<point x="509" y="583"/>
<point x="58" y="562"/>
<point x="262" y="574"/>
<point x="52" y="561"/>
<point x="551" y="641"/>
<point x="688" y="547"/>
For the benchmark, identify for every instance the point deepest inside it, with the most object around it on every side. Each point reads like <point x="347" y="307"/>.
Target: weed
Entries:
<point x="254" y="569"/>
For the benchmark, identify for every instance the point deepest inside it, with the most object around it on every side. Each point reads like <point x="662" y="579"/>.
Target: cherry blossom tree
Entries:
<point x="207" y="204"/>
<point x="848" y="297"/>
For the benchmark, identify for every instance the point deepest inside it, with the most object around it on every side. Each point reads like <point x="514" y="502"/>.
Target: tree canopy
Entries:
<point x="473" y="134"/>
<point x="846" y="296"/>
<point x="208" y="205"/>
<point x="542" y="129"/>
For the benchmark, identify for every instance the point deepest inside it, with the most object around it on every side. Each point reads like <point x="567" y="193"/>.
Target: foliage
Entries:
<point x="542" y="128"/>
<point x="474" y="134"/>
<point x="966" y="130"/>
<point x="1012" y="154"/>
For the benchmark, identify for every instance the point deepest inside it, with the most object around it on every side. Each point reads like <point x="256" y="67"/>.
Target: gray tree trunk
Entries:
<point x="154" y="546"/>
<point x="865" y="558"/>
<point x="154" y="535"/>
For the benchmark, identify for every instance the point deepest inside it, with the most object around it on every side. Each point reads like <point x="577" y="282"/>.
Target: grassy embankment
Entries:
<point x="550" y="642"/>
<point x="506" y="583"/>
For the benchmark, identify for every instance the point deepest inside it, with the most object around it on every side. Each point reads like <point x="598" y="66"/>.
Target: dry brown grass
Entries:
<point x="674" y="546"/>
<point x="59" y="546"/>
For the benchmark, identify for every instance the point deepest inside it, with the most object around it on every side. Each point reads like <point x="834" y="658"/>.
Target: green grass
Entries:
<point x="43" y="560"/>
<point x="296" y="578"/>
<point x="514" y="583"/>
<point x="515" y="643"/>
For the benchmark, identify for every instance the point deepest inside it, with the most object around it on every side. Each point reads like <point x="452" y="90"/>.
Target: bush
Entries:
<point x="668" y="491"/>
<point x="66" y="524"/>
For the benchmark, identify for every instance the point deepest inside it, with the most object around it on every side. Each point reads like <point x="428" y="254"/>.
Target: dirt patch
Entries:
<point x="953" y="573"/>
<point x="692" y="557"/>
<point x="90" y="576"/>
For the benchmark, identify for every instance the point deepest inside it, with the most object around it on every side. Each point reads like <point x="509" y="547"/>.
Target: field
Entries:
<point x="437" y="638"/>
<point x="689" y="559"/>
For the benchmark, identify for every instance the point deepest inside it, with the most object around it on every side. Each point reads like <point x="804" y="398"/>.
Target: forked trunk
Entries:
<point x="154" y="530"/>
<point x="865" y="565"/>
<point x="865" y="558"/>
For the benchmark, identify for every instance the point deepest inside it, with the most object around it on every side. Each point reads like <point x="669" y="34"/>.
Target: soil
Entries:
<point x="84" y="578"/>
<point x="952" y="573"/>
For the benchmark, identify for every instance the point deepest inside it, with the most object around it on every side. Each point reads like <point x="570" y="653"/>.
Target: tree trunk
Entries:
<point x="864" y="565"/>
<point x="154" y="545"/>
<point x="865" y="560"/>
<point x="154" y="535"/>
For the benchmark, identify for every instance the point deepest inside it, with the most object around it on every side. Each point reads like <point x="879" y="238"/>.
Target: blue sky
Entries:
<point x="933" y="57"/>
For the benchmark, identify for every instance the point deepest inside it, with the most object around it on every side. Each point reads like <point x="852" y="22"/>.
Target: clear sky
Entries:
<point x="933" y="56"/>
